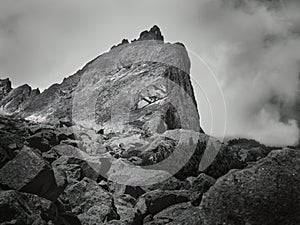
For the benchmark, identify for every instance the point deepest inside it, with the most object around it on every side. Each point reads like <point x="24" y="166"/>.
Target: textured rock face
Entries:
<point x="28" y="172"/>
<point x="153" y="34"/>
<point x="179" y="214"/>
<point x="16" y="100"/>
<point x="27" y="209"/>
<point x="266" y="193"/>
<point x="143" y="85"/>
<point x="5" y="88"/>
<point x="139" y="87"/>
<point x="90" y="202"/>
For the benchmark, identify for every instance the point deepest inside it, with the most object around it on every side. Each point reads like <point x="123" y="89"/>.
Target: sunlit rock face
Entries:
<point x="5" y="87"/>
<point x="142" y="86"/>
<point x="15" y="100"/>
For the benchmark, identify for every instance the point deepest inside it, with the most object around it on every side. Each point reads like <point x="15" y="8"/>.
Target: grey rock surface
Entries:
<point x="28" y="172"/>
<point x="26" y="209"/>
<point x="90" y="202"/>
<point x="179" y="214"/>
<point x="265" y="193"/>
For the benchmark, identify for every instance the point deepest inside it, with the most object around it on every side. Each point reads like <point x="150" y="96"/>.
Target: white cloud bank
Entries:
<point x="254" y="48"/>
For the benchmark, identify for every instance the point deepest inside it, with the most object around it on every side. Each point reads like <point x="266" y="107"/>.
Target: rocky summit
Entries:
<point x="119" y="142"/>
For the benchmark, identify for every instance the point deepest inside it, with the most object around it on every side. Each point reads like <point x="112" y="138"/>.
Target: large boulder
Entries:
<point x="76" y="169"/>
<point x="90" y="202"/>
<point x="43" y="140"/>
<point x="179" y="214"/>
<point x="153" y="202"/>
<point x="26" y="209"/>
<point x="28" y="172"/>
<point x="235" y="154"/>
<point x="13" y="132"/>
<point x="125" y="208"/>
<point x="265" y="194"/>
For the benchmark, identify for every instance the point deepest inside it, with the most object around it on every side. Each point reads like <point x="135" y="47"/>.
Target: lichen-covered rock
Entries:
<point x="13" y="133"/>
<point x="179" y="214"/>
<point x="236" y="154"/>
<point x="26" y="209"/>
<point x="125" y="208"/>
<point x="43" y="140"/>
<point x="199" y="186"/>
<point x="172" y="183"/>
<point x="153" y="202"/>
<point x="75" y="168"/>
<point x="90" y="202"/>
<point x="265" y="194"/>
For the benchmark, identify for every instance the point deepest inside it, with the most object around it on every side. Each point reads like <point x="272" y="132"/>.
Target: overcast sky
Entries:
<point x="252" y="48"/>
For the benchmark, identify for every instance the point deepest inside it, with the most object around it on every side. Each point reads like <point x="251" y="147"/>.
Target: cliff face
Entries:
<point x="5" y="88"/>
<point x="140" y="85"/>
<point x="13" y="101"/>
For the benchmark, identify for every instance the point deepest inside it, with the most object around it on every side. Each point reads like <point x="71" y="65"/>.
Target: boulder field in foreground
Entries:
<point x="263" y="193"/>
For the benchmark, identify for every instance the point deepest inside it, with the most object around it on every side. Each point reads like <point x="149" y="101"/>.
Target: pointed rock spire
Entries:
<point x="153" y="34"/>
<point x="5" y="87"/>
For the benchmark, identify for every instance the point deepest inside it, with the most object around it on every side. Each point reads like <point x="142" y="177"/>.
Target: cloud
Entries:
<point x="255" y="50"/>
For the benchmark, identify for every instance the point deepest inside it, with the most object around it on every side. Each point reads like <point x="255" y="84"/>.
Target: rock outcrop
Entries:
<point x="5" y="88"/>
<point x="15" y="100"/>
<point x="153" y="34"/>
<point x="145" y="82"/>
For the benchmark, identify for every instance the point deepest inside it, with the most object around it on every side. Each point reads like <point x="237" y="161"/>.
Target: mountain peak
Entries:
<point x="153" y="34"/>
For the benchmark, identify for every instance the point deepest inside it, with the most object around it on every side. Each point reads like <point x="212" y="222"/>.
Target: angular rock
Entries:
<point x="125" y="208"/>
<point x="28" y="172"/>
<point x="199" y="186"/>
<point x="188" y="154"/>
<point x="235" y="155"/>
<point x="153" y="34"/>
<point x="171" y="183"/>
<point x="43" y="140"/>
<point x="75" y="169"/>
<point x="12" y="135"/>
<point x="90" y="202"/>
<point x="153" y="202"/>
<point x="123" y="173"/>
<point x="5" y="87"/>
<point x="17" y="99"/>
<point x="26" y="209"/>
<point x="65" y="150"/>
<point x="266" y="193"/>
<point x="179" y="214"/>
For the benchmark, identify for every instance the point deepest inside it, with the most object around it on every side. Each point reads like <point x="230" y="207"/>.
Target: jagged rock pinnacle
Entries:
<point x="5" y="87"/>
<point x="153" y="34"/>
